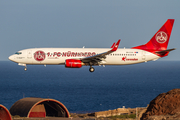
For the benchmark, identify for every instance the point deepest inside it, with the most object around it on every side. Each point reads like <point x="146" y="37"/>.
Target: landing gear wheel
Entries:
<point x="25" y="68"/>
<point x="91" y="69"/>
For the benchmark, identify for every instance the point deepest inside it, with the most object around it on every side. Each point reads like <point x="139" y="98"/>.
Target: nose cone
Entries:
<point x="11" y="57"/>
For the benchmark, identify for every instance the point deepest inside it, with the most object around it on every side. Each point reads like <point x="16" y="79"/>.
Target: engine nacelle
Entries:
<point x="73" y="63"/>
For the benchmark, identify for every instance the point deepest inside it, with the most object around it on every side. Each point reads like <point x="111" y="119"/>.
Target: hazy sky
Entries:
<point x="90" y="23"/>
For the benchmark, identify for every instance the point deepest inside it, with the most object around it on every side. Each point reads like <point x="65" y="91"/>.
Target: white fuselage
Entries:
<point x="57" y="56"/>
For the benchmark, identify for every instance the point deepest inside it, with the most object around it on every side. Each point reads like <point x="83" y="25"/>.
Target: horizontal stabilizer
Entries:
<point x="164" y="52"/>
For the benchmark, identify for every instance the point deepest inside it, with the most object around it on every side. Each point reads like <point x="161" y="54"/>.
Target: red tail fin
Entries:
<point x="160" y="40"/>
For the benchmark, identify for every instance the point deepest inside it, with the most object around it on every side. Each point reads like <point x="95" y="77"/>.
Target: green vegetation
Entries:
<point x="123" y="116"/>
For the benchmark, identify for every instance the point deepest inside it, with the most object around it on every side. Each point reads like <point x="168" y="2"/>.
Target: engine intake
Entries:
<point x="73" y="63"/>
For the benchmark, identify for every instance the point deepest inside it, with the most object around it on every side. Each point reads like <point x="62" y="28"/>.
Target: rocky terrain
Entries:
<point x="165" y="106"/>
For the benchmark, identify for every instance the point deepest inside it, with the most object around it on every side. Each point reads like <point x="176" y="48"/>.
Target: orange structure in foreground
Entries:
<point x="39" y="107"/>
<point x="4" y="113"/>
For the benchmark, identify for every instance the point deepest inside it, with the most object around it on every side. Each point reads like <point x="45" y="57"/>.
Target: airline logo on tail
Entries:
<point x="161" y="37"/>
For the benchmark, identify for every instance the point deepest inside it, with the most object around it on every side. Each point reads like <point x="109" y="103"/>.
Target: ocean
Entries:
<point x="108" y="88"/>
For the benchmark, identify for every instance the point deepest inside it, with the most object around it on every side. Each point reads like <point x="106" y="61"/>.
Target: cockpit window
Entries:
<point x="18" y="53"/>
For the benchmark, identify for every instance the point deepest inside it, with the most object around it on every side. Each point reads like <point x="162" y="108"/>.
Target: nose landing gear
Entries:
<point x="21" y="64"/>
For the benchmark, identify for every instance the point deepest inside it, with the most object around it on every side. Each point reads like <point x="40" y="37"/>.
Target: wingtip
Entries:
<point x="113" y="45"/>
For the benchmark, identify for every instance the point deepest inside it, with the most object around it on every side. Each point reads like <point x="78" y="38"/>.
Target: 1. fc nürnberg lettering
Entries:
<point x="40" y="55"/>
<point x="70" y="54"/>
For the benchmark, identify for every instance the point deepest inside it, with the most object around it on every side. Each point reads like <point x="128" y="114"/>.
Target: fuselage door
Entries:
<point x="29" y="54"/>
<point x="143" y="55"/>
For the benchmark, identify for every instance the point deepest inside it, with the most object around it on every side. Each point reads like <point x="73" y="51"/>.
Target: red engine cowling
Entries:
<point x="73" y="63"/>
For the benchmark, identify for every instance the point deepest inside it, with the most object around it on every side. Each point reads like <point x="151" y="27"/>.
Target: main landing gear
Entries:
<point x="91" y="69"/>
<point x="25" y="68"/>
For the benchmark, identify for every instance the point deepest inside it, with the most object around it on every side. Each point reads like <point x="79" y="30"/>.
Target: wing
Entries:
<point x="94" y="60"/>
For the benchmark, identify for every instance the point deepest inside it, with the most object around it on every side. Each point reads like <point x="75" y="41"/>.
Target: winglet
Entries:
<point x="115" y="46"/>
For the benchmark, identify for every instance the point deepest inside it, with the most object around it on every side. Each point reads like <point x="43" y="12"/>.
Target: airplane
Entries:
<point x="77" y="57"/>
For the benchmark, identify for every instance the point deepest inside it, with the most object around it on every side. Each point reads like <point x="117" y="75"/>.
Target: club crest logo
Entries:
<point x="39" y="55"/>
<point x="161" y="37"/>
